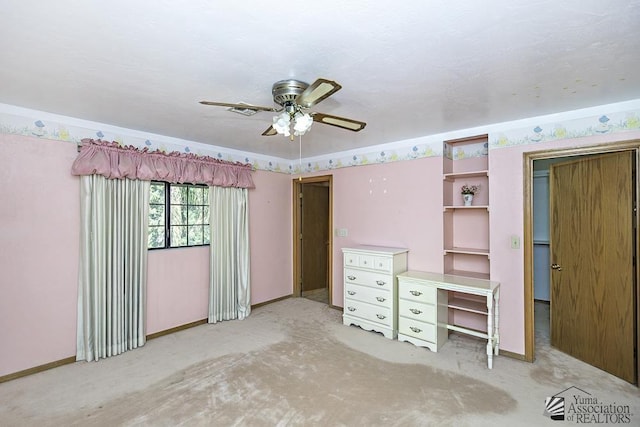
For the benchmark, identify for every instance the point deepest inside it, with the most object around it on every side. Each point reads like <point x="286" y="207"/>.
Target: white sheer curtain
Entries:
<point x="229" y="292"/>
<point x="113" y="266"/>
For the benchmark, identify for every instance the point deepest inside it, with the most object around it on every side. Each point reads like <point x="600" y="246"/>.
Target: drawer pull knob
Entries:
<point x="414" y="329"/>
<point x="351" y="308"/>
<point x="351" y="292"/>
<point x="351" y="277"/>
<point x="381" y="299"/>
<point x="381" y="316"/>
<point x="364" y="262"/>
<point x="415" y="311"/>
<point x="415" y="293"/>
<point x="381" y="282"/>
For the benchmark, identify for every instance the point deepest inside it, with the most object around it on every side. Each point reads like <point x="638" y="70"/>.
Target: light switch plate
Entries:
<point x="515" y="242"/>
<point x="342" y="232"/>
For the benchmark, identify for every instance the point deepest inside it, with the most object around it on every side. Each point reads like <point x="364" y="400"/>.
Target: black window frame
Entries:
<point x="167" y="226"/>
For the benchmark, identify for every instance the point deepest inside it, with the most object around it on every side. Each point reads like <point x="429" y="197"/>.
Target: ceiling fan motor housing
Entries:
<point x="286" y="91"/>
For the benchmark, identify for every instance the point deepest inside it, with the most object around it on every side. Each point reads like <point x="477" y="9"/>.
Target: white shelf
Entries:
<point x="461" y="175"/>
<point x="468" y="251"/>
<point x="472" y="274"/>
<point x="468" y="331"/>
<point x="471" y="306"/>
<point x="479" y="207"/>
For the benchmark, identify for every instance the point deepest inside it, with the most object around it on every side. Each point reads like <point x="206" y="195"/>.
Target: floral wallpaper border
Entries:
<point x="611" y="118"/>
<point x="604" y="123"/>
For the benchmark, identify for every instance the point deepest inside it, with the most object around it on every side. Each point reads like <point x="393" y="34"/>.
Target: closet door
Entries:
<point x="592" y="278"/>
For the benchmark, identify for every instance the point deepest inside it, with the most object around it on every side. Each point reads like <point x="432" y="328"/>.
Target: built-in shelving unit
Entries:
<point x="466" y="228"/>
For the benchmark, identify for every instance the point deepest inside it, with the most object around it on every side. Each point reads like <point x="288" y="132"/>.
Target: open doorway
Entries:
<point x="539" y="265"/>
<point x="312" y="243"/>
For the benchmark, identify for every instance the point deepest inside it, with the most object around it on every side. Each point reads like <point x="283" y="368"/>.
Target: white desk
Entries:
<point x="425" y="300"/>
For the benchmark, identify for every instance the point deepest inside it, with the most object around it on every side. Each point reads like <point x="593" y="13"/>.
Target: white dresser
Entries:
<point x="370" y="288"/>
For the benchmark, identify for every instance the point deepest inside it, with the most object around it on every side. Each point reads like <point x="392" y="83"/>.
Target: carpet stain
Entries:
<point x="308" y="379"/>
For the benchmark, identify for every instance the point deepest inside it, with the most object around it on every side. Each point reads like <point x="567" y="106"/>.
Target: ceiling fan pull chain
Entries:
<point x="300" y="157"/>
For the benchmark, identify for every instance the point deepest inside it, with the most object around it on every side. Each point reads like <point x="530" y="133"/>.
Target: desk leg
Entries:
<point x="490" y="330"/>
<point x="496" y="336"/>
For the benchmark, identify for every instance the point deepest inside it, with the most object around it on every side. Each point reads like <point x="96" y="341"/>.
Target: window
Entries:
<point x="181" y="219"/>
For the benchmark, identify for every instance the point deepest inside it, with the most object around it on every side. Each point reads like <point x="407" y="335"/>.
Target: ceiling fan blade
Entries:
<point x="269" y="132"/>
<point x="341" y="122"/>
<point x="316" y="92"/>
<point x="239" y="106"/>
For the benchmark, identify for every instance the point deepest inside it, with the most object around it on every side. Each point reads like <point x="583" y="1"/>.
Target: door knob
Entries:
<point x="556" y="267"/>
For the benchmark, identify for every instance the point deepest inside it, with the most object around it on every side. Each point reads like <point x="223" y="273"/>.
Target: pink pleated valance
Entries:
<point x="115" y="162"/>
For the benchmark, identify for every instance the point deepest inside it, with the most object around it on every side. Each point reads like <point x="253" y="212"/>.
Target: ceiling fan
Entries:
<point x="294" y="98"/>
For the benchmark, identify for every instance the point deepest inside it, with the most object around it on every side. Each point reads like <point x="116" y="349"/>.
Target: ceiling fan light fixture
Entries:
<point x="302" y="123"/>
<point x="282" y="123"/>
<point x="292" y="121"/>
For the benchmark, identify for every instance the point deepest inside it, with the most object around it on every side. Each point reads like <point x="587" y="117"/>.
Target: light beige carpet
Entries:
<point x="294" y="363"/>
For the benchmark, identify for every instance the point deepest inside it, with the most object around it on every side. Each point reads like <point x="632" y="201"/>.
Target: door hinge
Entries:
<point x="300" y="236"/>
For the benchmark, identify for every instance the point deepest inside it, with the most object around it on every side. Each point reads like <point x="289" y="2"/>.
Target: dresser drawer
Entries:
<point x="373" y="313"/>
<point x="368" y="278"/>
<point x="417" y="311"/>
<point x="374" y="296"/>
<point x="417" y="292"/>
<point x="415" y="328"/>
<point x="351" y="260"/>
<point x="379" y="263"/>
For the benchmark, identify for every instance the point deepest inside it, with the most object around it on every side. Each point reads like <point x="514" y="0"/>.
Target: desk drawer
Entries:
<point x="417" y="292"/>
<point x="417" y="311"/>
<point x="415" y="328"/>
<point x="373" y="313"/>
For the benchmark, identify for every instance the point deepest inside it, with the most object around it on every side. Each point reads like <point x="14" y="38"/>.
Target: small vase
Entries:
<point x="468" y="198"/>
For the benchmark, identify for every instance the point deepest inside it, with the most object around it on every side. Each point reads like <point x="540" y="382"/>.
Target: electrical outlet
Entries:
<point x="342" y="232"/>
<point x="515" y="242"/>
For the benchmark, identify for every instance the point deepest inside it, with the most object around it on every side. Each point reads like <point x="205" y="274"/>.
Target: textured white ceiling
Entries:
<point x="408" y="68"/>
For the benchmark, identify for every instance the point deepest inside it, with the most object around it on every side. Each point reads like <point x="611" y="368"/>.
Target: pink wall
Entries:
<point x="270" y="234"/>
<point x="507" y="219"/>
<point x="39" y="248"/>
<point x="178" y="282"/>
<point x="177" y="287"/>
<point x="394" y="204"/>
<point x="400" y="204"/>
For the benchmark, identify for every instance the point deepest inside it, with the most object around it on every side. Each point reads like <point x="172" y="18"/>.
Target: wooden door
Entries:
<point x="315" y="235"/>
<point x="592" y="252"/>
